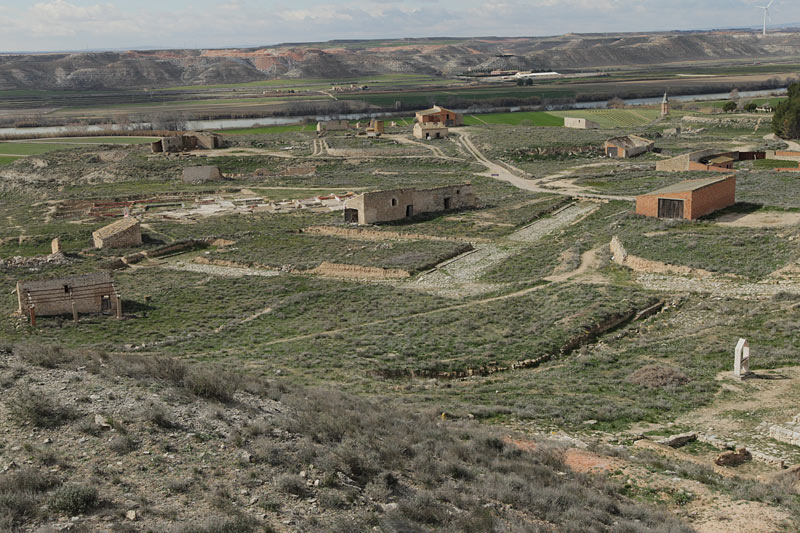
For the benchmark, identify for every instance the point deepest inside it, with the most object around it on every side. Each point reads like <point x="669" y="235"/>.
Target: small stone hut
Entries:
<point x="124" y="233"/>
<point x="579" y="123"/>
<point x="690" y="199"/>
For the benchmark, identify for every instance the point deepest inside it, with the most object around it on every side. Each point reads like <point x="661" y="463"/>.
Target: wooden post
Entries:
<point x="74" y="312"/>
<point x="119" y="305"/>
<point x="33" y="315"/>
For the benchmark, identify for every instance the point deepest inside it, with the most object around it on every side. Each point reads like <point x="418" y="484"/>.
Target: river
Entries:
<point x="279" y="121"/>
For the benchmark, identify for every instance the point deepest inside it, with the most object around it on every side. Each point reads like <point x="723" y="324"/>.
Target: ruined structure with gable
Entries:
<point x="397" y="204"/>
<point x="89" y="293"/>
<point x="124" y="233"/>
<point x="627" y="146"/>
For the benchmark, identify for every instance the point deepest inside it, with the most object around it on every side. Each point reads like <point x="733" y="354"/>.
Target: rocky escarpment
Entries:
<point x="142" y="69"/>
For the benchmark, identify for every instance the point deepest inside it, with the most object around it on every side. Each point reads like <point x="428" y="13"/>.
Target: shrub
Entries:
<point x="44" y="355"/>
<point x="74" y="499"/>
<point x="157" y="414"/>
<point x="292" y="484"/>
<point x="122" y="444"/>
<point x="212" y="383"/>
<point x="658" y="377"/>
<point x="238" y="524"/>
<point x="39" y="410"/>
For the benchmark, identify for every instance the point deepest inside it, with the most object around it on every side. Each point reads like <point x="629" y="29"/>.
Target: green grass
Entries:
<point x="268" y="130"/>
<point x="533" y="118"/>
<point x="774" y="163"/>
<point x="613" y="118"/>
<point x="97" y="140"/>
<point x="30" y="148"/>
<point x="7" y="160"/>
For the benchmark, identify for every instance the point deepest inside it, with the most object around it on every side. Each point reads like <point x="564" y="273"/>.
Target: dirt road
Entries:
<point x="512" y="175"/>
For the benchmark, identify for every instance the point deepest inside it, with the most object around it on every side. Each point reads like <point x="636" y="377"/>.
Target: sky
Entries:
<point x="54" y="25"/>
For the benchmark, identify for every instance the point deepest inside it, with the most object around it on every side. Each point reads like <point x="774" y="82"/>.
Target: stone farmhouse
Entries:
<point x="430" y="130"/>
<point x="690" y="199"/>
<point x="201" y="174"/>
<point x="187" y="142"/>
<point x="627" y="146"/>
<point x="440" y="115"/>
<point x="124" y="233"/>
<point x="397" y="204"/>
<point x="89" y="293"/>
<point x="580" y="123"/>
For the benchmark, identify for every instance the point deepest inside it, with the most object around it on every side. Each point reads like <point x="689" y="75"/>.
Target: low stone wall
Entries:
<point x="373" y="235"/>
<point x="638" y="264"/>
<point x="339" y="270"/>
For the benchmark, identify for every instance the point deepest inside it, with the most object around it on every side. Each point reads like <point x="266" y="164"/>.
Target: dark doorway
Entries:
<point x="351" y="215"/>
<point x="446" y="204"/>
<point x="105" y="304"/>
<point x="670" y="208"/>
<point x="409" y="211"/>
<point x="612" y="151"/>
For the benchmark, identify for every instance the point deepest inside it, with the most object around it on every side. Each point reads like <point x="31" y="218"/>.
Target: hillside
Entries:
<point x="95" y="441"/>
<point x="338" y="59"/>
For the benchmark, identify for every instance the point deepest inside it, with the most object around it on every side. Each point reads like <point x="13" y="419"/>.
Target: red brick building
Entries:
<point x="689" y="199"/>
<point x="440" y="115"/>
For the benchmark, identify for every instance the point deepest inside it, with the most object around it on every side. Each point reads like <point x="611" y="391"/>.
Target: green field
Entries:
<point x="97" y="140"/>
<point x="263" y="130"/>
<point x="533" y="118"/>
<point x="7" y="160"/>
<point x="613" y="118"/>
<point x="308" y="84"/>
<point x="30" y="148"/>
<point x="774" y="163"/>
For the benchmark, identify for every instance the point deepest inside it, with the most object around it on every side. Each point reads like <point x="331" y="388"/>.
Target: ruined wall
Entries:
<point x="55" y="296"/>
<point x="386" y="206"/>
<point x="123" y="239"/>
<point x="201" y="174"/>
<point x="339" y="270"/>
<point x="682" y="162"/>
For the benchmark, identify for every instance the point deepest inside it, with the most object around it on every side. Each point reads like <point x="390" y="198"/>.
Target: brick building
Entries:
<point x="397" y="204"/>
<point x="124" y="233"/>
<point x="690" y="199"/>
<point x="438" y="114"/>
<point x="89" y="293"/>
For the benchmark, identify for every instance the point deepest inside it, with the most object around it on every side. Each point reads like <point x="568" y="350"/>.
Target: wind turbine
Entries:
<point x="766" y="14"/>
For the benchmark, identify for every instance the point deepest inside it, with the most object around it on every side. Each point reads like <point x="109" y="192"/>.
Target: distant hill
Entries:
<point x="345" y="59"/>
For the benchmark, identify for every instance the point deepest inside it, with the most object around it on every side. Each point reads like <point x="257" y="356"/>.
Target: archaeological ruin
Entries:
<point x="124" y="233"/>
<point x="397" y="204"/>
